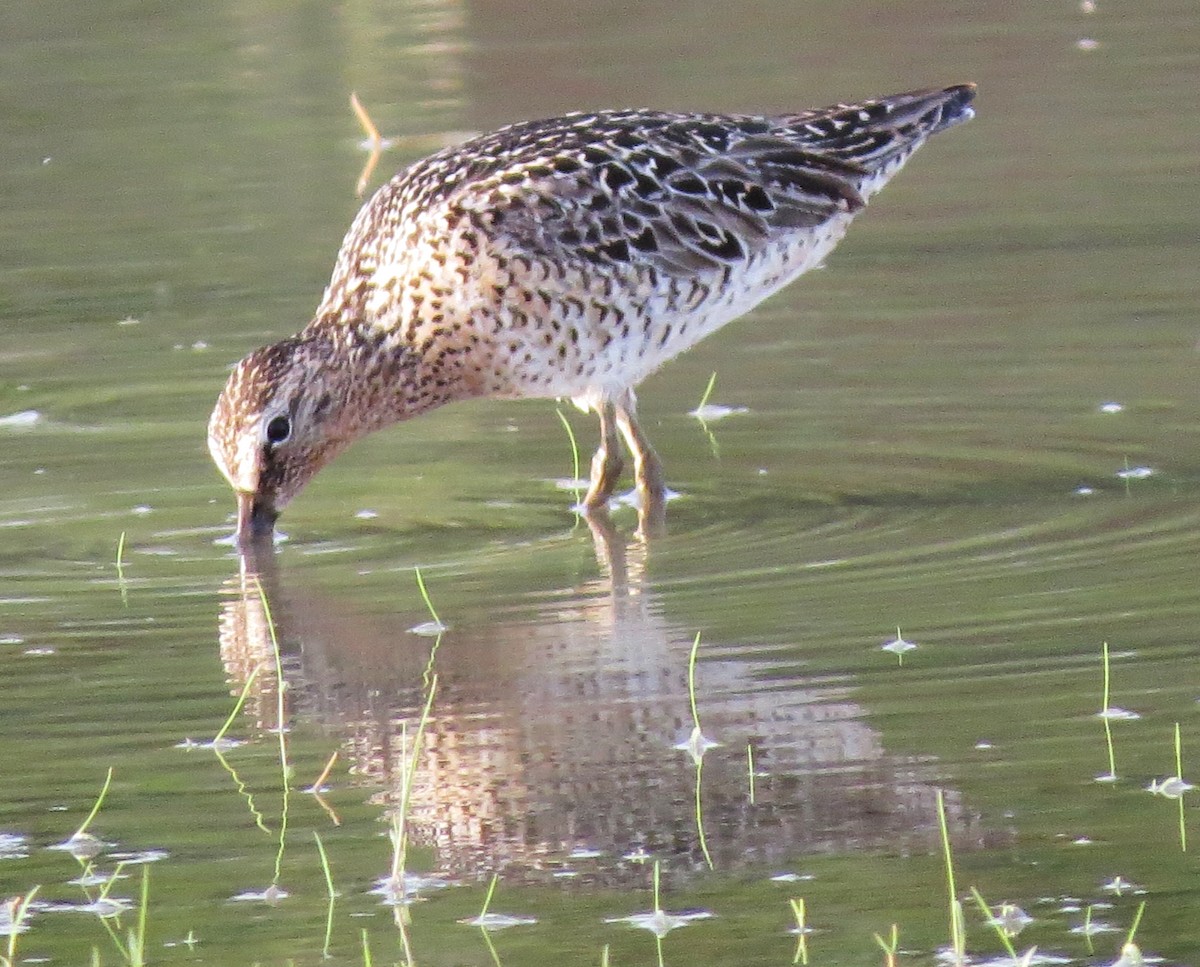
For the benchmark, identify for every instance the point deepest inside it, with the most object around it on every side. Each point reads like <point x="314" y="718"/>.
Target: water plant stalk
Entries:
<point x="329" y="892"/>
<point x="889" y="946"/>
<point x="750" y="769"/>
<point x="281" y="729"/>
<point x="574" y="447"/>
<point x="995" y="921"/>
<point x="1179" y="776"/>
<point x="96" y="806"/>
<point x="798" y="911"/>
<point x="957" y="938"/>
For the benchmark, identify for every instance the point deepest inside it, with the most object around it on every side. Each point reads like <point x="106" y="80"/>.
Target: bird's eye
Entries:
<point x="278" y="429"/>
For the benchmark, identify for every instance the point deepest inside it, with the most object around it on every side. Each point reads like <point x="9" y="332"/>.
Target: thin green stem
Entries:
<point x="18" y="910"/>
<point x="1137" y="919"/>
<point x="700" y="834"/>
<point x="574" y="443"/>
<point x="750" y="769"/>
<point x="95" y="808"/>
<point x="692" y="680"/>
<point x="329" y="890"/>
<point x="142" y="915"/>
<point x="237" y="706"/>
<point x="956" y="918"/>
<point x="1108" y="739"/>
<point x="487" y="900"/>
<point x="259" y="820"/>
<point x="280" y="725"/>
<point x="801" y="955"/>
<point x="889" y="946"/>
<point x="401" y="831"/>
<point x="995" y="922"/>
<point x="1179" y="776"/>
<point x="425" y="597"/>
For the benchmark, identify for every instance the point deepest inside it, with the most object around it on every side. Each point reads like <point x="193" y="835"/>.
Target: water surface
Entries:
<point x="929" y="443"/>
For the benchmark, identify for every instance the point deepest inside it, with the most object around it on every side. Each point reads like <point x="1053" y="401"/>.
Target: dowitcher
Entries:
<point x="569" y="257"/>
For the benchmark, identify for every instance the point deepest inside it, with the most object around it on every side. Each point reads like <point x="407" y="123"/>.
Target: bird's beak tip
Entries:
<point x="255" y="520"/>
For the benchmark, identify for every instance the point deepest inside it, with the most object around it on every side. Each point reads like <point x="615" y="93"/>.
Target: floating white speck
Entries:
<point x="11" y="640"/>
<point x="1087" y="6"/>
<point x="1172" y="787"/>
<point x="39" y="652"/>
<point x="272" y="894"/>
<point x="1136" y="473"/>
<point x="21" y="420"/>
<point x="1085" y="491"/>
<point x="898" y="646"/>
<point x="107" y="907"/>
<point x="428" y="629"/>
<point x="371" y="145"/>
<point x="199" y="345"/>
<point x="584" y="853"/>
<point x="660" y="923"/>
<point x="1131" y="956"/>
<point x="571" y="483"/>
<point x="1118" y="885"/>
<point x="96" y="878"/>
<point x="230" y="540"/>
<point x="1087" y="43"/>
<point x="141" y="856"/>
<point x="220" y="746"/>
<point x="402" y="890"/>
<point x="1111" y="407"/>
<point x="983" y="745"/>
<point x="792" y="877"/>
<point x="498" y="921"/>
<point x="13" y="846"/>
<point x="129" y="321"/>
<point x="696" y="745"/>
<point x="631" y="498"/>
<point x="83" y="846"/>
<point x="366" y="514"/>
<point x="1093" y="927"/>
<point x="711" y="412"/>
<point x="1011" y="919"/>
<point x="1106" y="777"/>
<point x="143" y="509"/>
<point x="1118" y="714"/>
<point x="638" y="855"/>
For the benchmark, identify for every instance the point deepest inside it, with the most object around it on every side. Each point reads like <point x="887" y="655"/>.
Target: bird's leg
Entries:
<point x="648" y="472"/>
<point x="606" y="463"/>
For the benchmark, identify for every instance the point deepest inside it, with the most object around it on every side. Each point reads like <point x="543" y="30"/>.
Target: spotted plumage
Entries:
<point x="568" y="257"/>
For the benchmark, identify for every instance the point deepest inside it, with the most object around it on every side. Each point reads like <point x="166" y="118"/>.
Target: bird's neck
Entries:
<point x="383" y="377"/>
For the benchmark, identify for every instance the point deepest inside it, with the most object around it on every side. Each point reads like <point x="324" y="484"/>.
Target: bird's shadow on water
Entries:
<point x="553" y="746"/>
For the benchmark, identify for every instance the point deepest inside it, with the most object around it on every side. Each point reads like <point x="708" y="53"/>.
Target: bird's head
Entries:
<point x="280" y="419"/>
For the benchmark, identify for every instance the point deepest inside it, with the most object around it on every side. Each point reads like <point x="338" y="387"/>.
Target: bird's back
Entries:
<point x="573" y="256"/>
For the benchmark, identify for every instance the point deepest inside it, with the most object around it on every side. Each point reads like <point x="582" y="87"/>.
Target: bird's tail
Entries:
<point x="877" y="133"/>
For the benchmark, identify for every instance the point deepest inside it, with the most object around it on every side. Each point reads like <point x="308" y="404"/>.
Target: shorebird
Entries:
<point x="568" y="257"/>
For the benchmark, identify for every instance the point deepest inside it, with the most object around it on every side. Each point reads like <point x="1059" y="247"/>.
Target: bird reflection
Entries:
<point x="550" y="749"/>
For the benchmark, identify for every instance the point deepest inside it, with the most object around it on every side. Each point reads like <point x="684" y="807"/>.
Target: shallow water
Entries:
<point x="926" y="450"/>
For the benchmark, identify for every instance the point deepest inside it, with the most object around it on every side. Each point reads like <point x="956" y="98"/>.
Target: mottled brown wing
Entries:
<point x="685" y="196"/>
